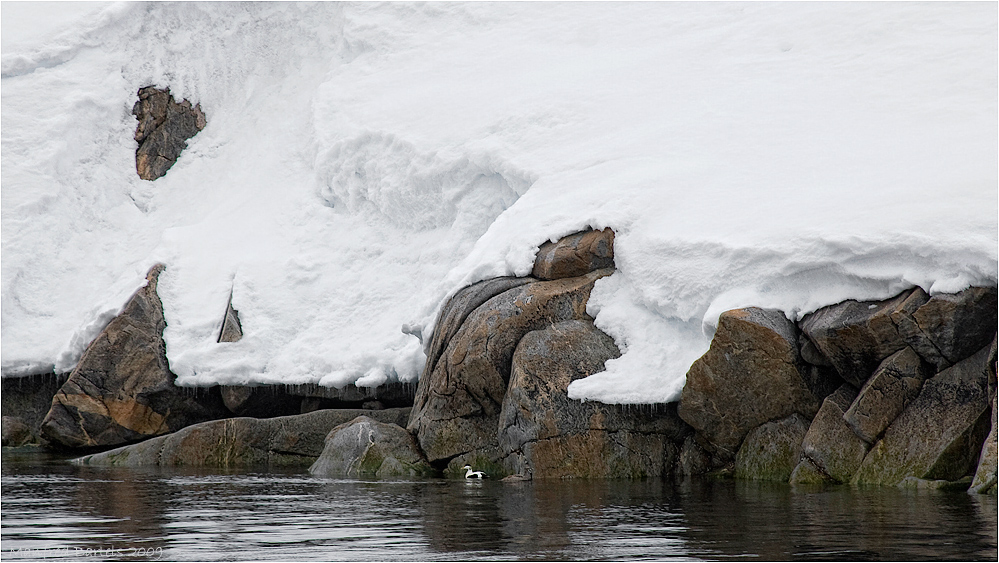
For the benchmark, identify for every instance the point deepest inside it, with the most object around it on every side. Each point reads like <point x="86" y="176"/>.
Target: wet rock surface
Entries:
<point x="242" y="442"/>
<point x="365" y="447"/>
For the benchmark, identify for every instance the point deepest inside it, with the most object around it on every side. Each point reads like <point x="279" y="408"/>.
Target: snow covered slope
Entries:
<point x="363" y="161"/>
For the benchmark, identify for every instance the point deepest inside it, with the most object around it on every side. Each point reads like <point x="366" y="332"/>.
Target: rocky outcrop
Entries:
<point x="232" y="330"/>
<point x="365" y="447"/>
<point x="854" y="336"/>
<point x="895" y="383"/>
<point x="947" y="328"/>
<point x="831" y="451"/>
<point x="241" y="442"/>
<point x="544" y="433"/>
<point x="15" y="432"/>
<point x="122" y="390"/>
<point x="771" y="451"/>
<point x="749" y="376"/>
<point x="939" y="435"/>
<point x="457" y="406"/>
<point x="575" y="255"/>
<point x="163" y="130"/>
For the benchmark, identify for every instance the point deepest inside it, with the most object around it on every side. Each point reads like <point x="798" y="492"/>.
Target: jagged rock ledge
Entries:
<point x="897" y="392"/>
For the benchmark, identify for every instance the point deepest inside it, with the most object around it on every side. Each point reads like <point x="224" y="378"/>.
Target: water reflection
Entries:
<point x="48" y="504"/>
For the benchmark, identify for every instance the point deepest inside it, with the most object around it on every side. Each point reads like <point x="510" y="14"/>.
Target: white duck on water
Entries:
<point x="469" y="474"/>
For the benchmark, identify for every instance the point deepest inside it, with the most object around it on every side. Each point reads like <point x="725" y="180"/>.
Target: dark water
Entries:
<point x="52" y="510"/>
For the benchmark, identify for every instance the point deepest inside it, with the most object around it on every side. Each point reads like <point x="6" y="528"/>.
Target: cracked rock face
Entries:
<point x="749" y="376"/>
<point x="123" y="390"/>
<point x="457" y="405"/>
<point x="545" y="433"/>
<point x="242" y="442"/>
<point x="163" y="130"/>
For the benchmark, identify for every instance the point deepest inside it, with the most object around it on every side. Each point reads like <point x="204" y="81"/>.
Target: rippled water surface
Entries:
<point x="53" y="510"/>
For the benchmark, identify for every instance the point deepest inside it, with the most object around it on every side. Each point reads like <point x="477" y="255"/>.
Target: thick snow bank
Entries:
<point x="362" y="162"/>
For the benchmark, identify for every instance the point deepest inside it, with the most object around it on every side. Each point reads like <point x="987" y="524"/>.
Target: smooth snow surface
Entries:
<point x="361" y="162"/>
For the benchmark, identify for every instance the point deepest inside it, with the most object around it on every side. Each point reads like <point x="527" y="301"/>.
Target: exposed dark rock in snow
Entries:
<point x="365" y="447"/>
<point x="122" y="390"/>
<point x="575" y="255"/>
<point x="242" y="442"/>
<point x="163" y="130"/>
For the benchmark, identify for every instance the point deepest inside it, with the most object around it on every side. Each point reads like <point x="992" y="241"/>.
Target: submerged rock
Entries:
<point x="122" y="390"/>
<point x="163" y="130"/>
<point x="367" y="447"/>
<point x="241" y="442"/>
<point x="544" y="432"/>
<point x="771" y="451"/>
<point x="749" y="376"/>
<point x="457" y="406"/>
<point x="575" y="255"/>
<point x="940" y="434"/>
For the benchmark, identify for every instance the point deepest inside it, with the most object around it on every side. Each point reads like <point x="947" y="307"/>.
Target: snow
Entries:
<point x="362" y="162"/>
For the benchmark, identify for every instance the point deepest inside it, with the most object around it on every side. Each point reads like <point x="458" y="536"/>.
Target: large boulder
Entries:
<point x="241" y="442"/>
<point x="940" y="434"/>
<point x="985" y="475"/>
<point x="575" y="255"/>
<point x="457" y="309"/>
<point x="947" y="328"/>
<point x="164" y="127"/>
<point x="772" y="450"/>
<point x="365" y="447"/>
<point x="831" y="451"/>
<point x="749" y="376"/>
<point x="884" y="396"/>
<point x="122" y="390"/>
<point x="457" y="405"/>
<point x="545" y="433"/>
<point x="856" y="336"/>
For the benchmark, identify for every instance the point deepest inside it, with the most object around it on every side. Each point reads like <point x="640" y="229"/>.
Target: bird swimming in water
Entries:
<point x="469" y="474"/>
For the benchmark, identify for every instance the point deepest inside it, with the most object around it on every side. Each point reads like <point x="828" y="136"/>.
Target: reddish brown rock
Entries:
<point x="575" y="255"/>
<point x="122" y="390"/>
<point x="749" y="376"/>
<point x="457" y="406"/>
<point x="546" y="434"/>
<point x="163" y="130"/>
